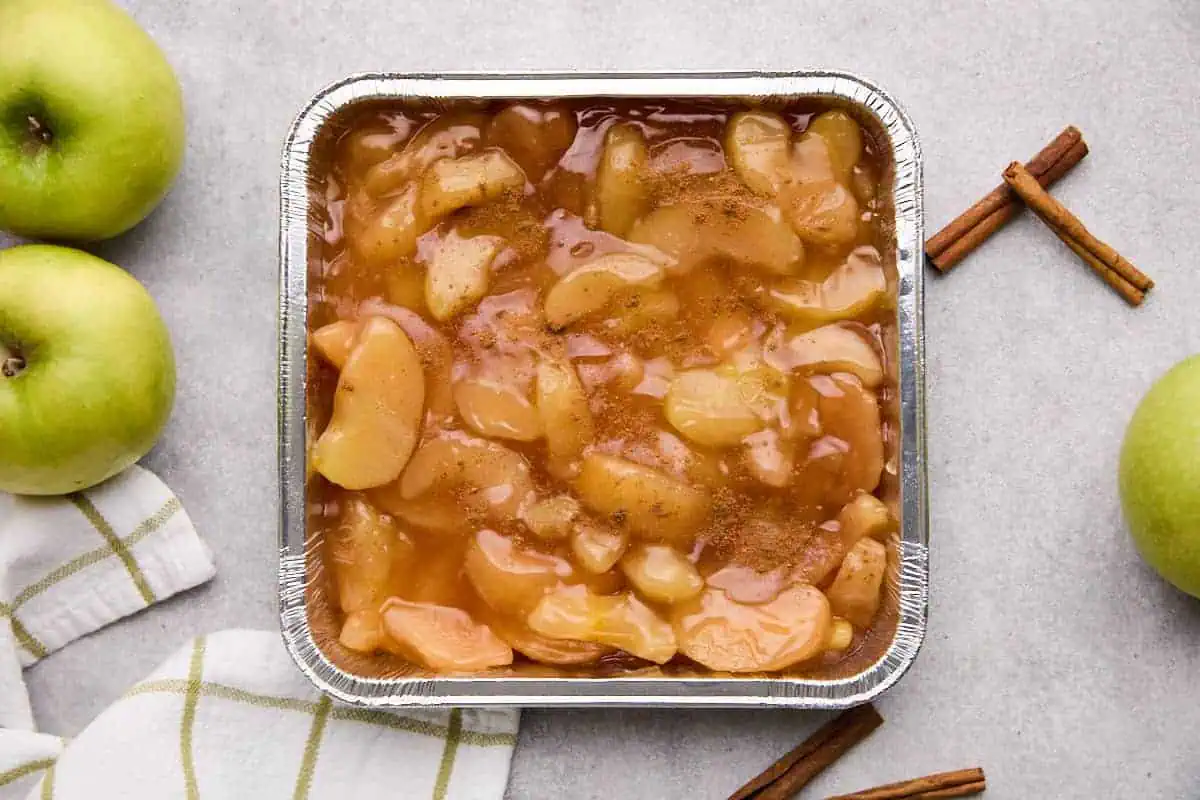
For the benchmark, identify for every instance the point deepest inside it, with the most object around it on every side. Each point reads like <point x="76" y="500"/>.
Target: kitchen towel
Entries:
<point x="71" y="565"/>
<point x="229" y="716"/>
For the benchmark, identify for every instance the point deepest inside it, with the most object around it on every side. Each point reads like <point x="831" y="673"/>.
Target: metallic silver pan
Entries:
<point x="909" y="581"/>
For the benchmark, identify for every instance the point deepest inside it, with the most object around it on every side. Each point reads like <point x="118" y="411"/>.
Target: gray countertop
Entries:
<point x="1054" y="658"/>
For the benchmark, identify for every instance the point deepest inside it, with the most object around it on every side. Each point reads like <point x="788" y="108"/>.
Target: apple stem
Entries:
<point x="11" y="363"/>
<point x="12" y="366"/>
<point x="39" y="130"/>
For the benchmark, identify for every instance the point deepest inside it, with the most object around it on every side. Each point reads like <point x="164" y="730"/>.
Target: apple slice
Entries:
<point x="661" y="574"/>
<point x="366" y="551"/>
<point x="454" y="183"/>
<point x="376" y="410"/>
<point x="822" y="212"/>
<point x="620" y="191"/>
<point x="828" y="349"/>
<point x="854" y="593"/>
<point x="707" y="407"/>
<point x="556" y="652"/>
<point x="593" y="286"/>
<point x="362" y="631"/>
<point x="619" y="620"/>
<point x="429" y="513"/>
<point x="443" y="638"/>
<point x="847" y="456"/>
<point x="497" y="410"/>
<point x="729" y="636"/>
<point x="851" y="290"/>
<point x="864" y="516"/>
<point x="368" y="556"/>
<point x="597" y="549"/>
<point x="334" y="342"/>
<point x="748" y="231"/>
<point x="842" y="137"/>
<point x="535" y="135"/>
<point x="770" y="457"/>
<point x="488" y="477"/>
<point x="385" y="237"/>
<point x="757" y="144"/>
<point x="563" y="407"/>
<point x="457" y="276"/>
<point x="550" y="519"/>
<point x="644" y="500"/>
<point x="509" y="578"/>
<point x="450" y="135"/>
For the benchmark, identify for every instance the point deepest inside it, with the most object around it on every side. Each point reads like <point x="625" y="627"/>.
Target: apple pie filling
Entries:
<point x="602" y="385"/>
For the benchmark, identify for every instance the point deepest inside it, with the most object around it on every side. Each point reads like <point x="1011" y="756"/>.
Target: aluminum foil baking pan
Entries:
<point x="909" y="582"/>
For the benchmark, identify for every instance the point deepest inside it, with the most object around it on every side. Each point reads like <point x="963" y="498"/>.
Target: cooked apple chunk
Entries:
<point x="454" y="183"/>
<point x="597" y="548"/>
<point x="335" y="341"/>
<point x="722" y="406"/>
<point x="619" y="620"/>
<point x="620" y="188"/>
<point x="496" y="479"/>
<point x="594" y="286"/>
<point x="855" y="288"/>
<point x="828" y="349"/>
<point x="822" y="212"/>
<point x="442" y="638"/>
<point x="497" y="410"/>
<point x="448" y="136"/>
<point x="646" y="501"/>
<point x="757" y="144"/>
<point x="728" y="636"/>
<point x="842" y="138"/>
<point x="551" y="518"/>
<point x="510" y="578"/>
<point x="661" y="573"/>
<point x="377" y="410"/>
<point x="557" y="652"/>
<point x="562" y="406"/>
<point x="365" y="550"/>
<point x="854" y="593"/>
<point x="457" y="275"/>
<point x="749" y="232"/>
<point x="391" y="234"/>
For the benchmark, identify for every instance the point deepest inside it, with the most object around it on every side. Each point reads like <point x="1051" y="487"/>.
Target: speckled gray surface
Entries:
<point x="1054" y="659"/>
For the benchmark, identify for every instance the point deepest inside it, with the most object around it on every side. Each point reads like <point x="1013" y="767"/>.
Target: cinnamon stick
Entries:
<point x="959" y="783"/>
<point x="974" y="237"/>
<point x="957" y="791"/>
<point x="973" y="227"/>
<point x="1099" y="256"/>
<point x="1132" y="295"/>
<point x="798" y="767"/>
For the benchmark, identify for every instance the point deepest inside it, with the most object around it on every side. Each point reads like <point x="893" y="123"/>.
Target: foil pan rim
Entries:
<point x="913" y="577"/>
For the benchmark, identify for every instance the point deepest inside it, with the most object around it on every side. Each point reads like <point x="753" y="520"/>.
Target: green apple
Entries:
<point x="91" y="120"/>
<point x="87" y="376"/>
<point x="1160" y="476"/>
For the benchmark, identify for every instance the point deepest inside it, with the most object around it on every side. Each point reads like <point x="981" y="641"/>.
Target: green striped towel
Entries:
<point x="71" y="565"/>
<point x="230" y="716"/>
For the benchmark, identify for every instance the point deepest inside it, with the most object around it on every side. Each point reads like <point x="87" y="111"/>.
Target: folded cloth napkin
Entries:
<point x="230" y="716"/>
<point x="71" y="565"/>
